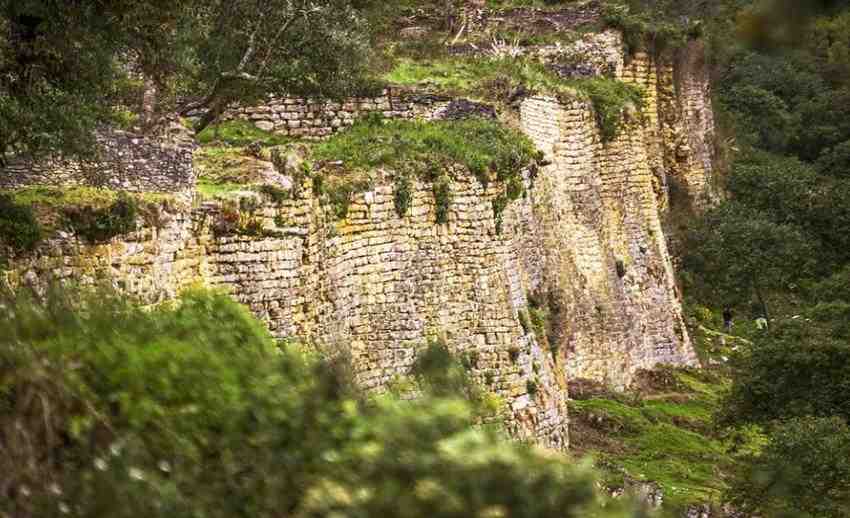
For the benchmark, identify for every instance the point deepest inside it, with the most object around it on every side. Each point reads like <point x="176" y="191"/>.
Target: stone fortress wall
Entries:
<point x="127" y="161"/>
<point x="587" y="238"/>
<point x="300" y="117"/>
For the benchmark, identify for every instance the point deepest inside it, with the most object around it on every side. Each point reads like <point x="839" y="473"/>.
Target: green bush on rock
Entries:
<point x="101" y="224"/>
<point x="19" y="229"/>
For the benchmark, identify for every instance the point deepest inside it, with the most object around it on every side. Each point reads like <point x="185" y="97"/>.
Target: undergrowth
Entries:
<point x="19" y="230"/>
<point x="660" y="432"/>
<point x="505" y="80"/>
<point x="646" y="29"/>
<point x="424" y="149"/>
<point x="238" y="133"/>
<point x="96" y="215"/>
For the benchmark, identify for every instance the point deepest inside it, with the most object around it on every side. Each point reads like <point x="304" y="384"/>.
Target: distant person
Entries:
<point x="727" y="319"/>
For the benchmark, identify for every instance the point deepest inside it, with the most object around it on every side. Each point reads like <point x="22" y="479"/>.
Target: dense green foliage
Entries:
<point x="70" y="66"/>
<point x="485" y="147"/>
<point x="190" y="409"/>
<point x="101" y="224"/>
<point x="19" y="229"/>
<point x="779" y="247"/>
<point x="427" y="150"/>
<point x="94" y="215"/>
<point x="798" y="371"/>
<point x="803" y="472"/>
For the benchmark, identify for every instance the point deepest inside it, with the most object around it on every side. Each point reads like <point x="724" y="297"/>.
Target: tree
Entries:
<point x="277" y="46"/>
<point x="804" y="470"/>
<point x="735" y="253"/>
<point x="800" y="369"/>
<point x="68" y="67"/>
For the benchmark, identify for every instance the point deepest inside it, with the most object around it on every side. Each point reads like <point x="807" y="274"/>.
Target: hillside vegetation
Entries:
<point x="190" y="408"/>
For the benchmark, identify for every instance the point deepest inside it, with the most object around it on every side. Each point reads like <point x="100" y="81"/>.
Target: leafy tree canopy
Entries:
<point x="66" y="67"/>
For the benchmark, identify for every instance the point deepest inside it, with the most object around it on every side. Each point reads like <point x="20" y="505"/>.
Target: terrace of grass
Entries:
<point x="662" y="435"/>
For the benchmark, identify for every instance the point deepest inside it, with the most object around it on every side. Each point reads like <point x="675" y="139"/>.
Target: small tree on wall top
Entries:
<point x="68" y="67"/>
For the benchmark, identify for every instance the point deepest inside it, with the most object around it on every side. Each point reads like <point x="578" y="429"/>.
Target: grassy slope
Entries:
<point x="662" y="430"/>
<point x="662" y="434"/>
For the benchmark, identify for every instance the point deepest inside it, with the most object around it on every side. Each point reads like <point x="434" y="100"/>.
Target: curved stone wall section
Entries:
<point x="606" y="254"/>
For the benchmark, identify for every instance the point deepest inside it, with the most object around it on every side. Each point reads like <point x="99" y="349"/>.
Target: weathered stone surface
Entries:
<point x="586" y="239"/>
<point x="127" y="161"/>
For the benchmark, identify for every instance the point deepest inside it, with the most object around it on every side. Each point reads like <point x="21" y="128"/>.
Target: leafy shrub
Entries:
<point x="764" y="119"/>
<point x="318" y="185"/>
<point x="500" y="202"/>
<point x="19" y="229"/>
<point x="340" y="198"/>
<point x="403" y="194"/>
<point x="524" y="321"/>
<point x="96" y="224"/>
<point x="242" y="220"/>
<point x="443" y="200"/>
<point x="483" y="146"/>
<point x="794" y="371"/>
<point x="190" y="409"/>
<point x="836" y="161"/>
<point x="531" y="387"/>
<point x="539" y="316"/>
<point x="610" y="100"/>
<point x="513" y="354"/>
<point x="804" y="470"/>
<point x="274" y="192"/>
<point x="652" y="24"/>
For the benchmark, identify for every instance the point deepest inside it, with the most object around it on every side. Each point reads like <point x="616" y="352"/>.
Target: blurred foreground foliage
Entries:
<point x="190" y="409"/>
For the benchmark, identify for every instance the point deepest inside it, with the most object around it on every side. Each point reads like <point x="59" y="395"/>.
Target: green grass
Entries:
<point x="664" y="437"/>
<point x="238" y="133"/>
<point x="426" y="149"/>
<point x="498" y="80"/>
<point x="94" y="213"/>
<point x="217" y="190"/>
<point x="485" y="147"/>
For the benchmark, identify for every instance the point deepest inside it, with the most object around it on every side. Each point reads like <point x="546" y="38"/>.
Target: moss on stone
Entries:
<point x="499" y="80"/>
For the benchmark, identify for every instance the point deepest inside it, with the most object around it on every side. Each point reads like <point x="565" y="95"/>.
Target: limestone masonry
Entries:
<point x="586" y="240"/>
<point x="127" y="161"/>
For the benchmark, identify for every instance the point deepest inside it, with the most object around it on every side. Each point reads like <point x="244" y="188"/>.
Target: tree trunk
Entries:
<point x="762" y="303"/>
<point x="149" y="100"/>
<point x="215" y="110"/>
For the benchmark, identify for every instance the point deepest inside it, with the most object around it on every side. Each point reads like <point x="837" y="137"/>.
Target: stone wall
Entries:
<point x="126" y="161"/>
<point x="586" y="238"/>
<point x="375" y="284"/>
<point x="605" y="253"/>
<point x="679" y="126"/>
<point x="585" y="241"/>
<point x="314" y="118"/>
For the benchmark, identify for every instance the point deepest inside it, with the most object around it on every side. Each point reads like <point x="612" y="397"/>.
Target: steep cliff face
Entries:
<point x="606" y="255"/>
<point x="584" y="246"/>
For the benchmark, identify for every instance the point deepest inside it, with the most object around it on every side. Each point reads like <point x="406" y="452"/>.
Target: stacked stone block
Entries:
<point x="126" y="161"/>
